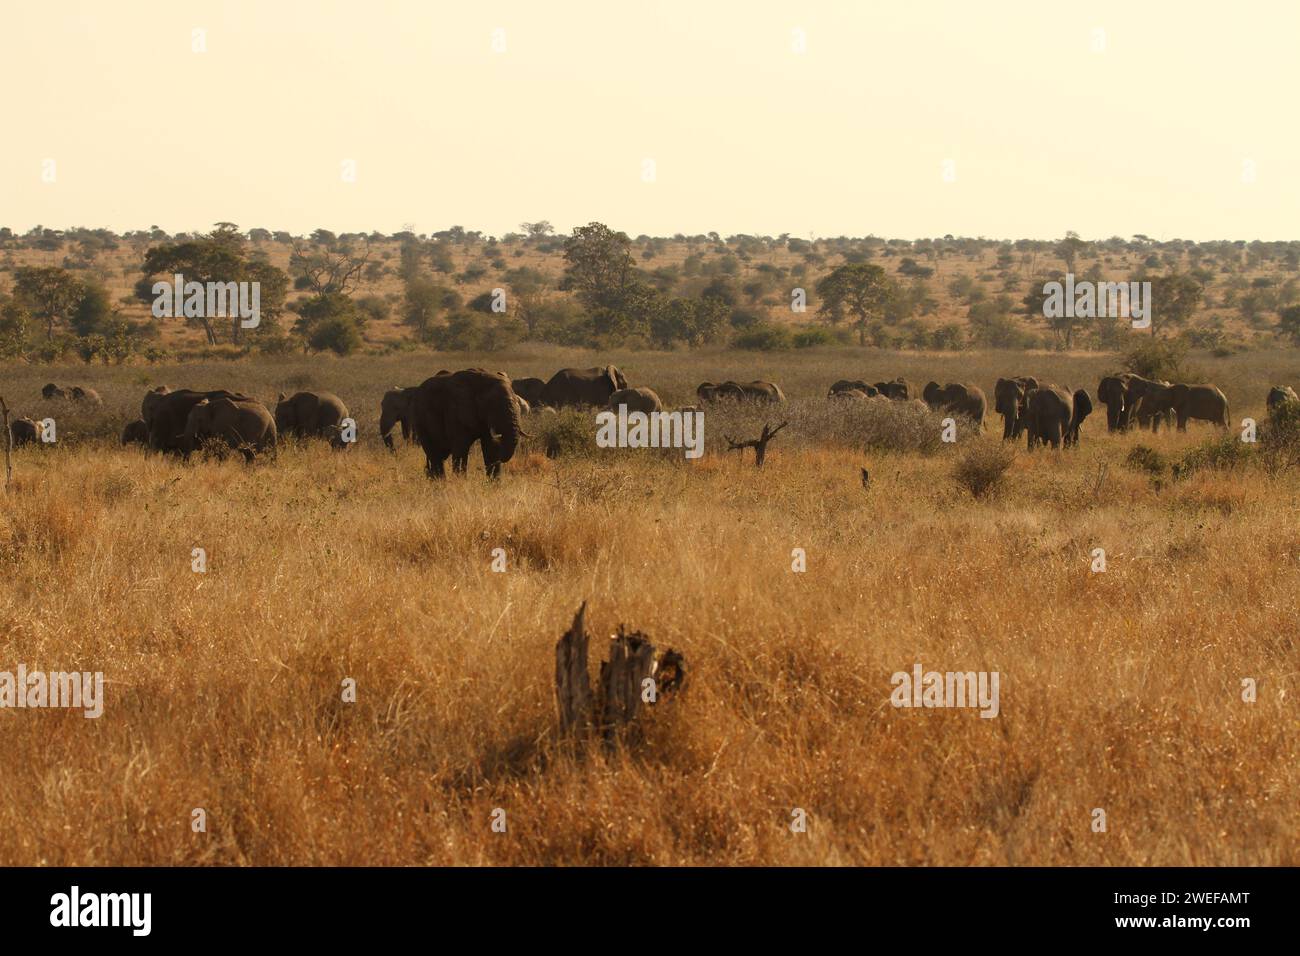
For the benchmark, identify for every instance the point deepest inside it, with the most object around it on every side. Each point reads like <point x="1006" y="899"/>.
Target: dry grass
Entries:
<point x="1119" y="690"/>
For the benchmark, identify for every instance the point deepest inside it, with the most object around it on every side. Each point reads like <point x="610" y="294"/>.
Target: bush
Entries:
<point x="1160" y="359"/>
<point x="981" y="469"/>
<point x="764" y="337"/>
<point x="1215" y="454"/>
<point x="1147" y="459"/>
<point x="812" y="337"/>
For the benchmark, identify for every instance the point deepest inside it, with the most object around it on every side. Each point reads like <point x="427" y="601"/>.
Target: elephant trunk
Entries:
<point x="503" y="417"/>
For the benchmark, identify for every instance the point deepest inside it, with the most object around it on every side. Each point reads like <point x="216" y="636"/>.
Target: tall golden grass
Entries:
<point x="1120" y="690"/>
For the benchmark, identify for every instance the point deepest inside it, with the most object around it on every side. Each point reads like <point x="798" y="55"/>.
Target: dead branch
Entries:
<point x="9" y="442"/>
<point x="759" y="444"/>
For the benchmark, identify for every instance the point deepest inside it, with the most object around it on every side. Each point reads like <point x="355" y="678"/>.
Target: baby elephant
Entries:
<point x="24" y="432"/>
<point x="136" y="433"/>
<point x="312" y="415"/>
<point x="636" y="400"/>
<point x="245" y="426"/>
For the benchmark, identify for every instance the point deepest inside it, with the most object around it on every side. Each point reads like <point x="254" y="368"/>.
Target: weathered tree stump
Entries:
<point x="632" y="677"/>
<point x="572" y="685"/>
<point x="622" y="679"/>
<point x="759" y="444"/>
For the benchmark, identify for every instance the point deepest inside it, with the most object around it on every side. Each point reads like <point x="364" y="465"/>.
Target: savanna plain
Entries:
<point x="1121" y="690"/>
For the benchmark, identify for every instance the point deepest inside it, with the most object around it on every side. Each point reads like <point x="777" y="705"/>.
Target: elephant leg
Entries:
<point x="435" y="465"/>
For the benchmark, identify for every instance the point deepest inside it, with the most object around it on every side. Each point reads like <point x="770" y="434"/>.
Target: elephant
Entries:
<point x="136" y="433"/>
<point x="395" y="409"/>
<point x="582" y="386"/>
<point x="151" y="401"/>
<point x="847" y="385"/>
<point x="958" y="399"/>
<point x="853" y="394"/>
<point x="24" y="431"/>
<point x="1053" y="415"/>
<point x="451" y="412"/>
<point x="898" y="389"/>
<point x="76" y="393"/>
<point x="1281" y="395"/>
<point x="1204" y="402"/>
<point x="756" y="391"/>
<point x="636" y="400"/>
<point x="529" y="389"/>
<point x="1009" y="395"/>
<point x="1137" y="388"/>
<point x="1112" y="392"/>
<point x="247" y="426"/>
<point x="167" y="414"/>
<point x="524" y="407"/>
<point x="311" y="415"/>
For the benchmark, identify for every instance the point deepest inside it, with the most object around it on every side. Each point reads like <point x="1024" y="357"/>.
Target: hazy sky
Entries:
<point x="1183" y="124"/>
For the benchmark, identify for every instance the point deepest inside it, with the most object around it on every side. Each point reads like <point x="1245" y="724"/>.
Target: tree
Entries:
<point x="860" y="291"/>
<point x="220" y="256"/>
<point x="1069" y="249"/>
<point x="537" y="230"/>
<point x="1174" y="298"/>
<point x="600" y="271"/>
<point x="50" y="293"/>
<point x="328" y="269"/>
<point x="1288" y="322"/>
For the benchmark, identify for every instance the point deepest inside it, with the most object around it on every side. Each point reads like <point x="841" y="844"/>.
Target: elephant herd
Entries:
<point x="450" y="411"/>
<point x="1130" y="399"/>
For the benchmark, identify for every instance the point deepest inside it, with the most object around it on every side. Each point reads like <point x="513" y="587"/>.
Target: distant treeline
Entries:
<point x="460" y="290"/>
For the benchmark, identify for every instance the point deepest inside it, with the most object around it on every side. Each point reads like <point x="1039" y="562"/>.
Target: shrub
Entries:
<point x="1215" y="454"/>
<point x="1147" y="459"/>
<point x="982" y="468"/>
<point x="764" y="337"/>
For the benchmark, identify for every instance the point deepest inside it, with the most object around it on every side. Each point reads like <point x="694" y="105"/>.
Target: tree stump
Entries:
<point x="572" y="685"/>
<point x="623" y="686"/>
<point x="622" y="678"/>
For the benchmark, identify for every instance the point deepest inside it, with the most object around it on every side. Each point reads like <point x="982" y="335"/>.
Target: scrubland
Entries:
<point x="1120" y="691"/>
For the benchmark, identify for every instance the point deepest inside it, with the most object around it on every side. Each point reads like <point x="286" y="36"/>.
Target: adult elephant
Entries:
<point x="167" y="414"/>
<point x="395" y="409"/>
<point x="1281" y="395"/>
<point x="87" y="395"/>
<point x="582" y="386"/>
<point x="245" y="425"/>
<point x="52" y="391"/>
<point x="1009" y="395"/>
<point x="1053" y="415"/>
<point x="636" y="399"/>
<point x="150" y="402"/>
<point x="898" y="389"/>
<point x="451" y="412"/>
<point x="529" y="389"/>
<point x="1137" y="388"/>
<point x="311" y="415"/>
<point x="853" y="394"/>
<point x="957" y="399"/>
<point x="709" y="392"/>
<point x="851" y="385"/>
<point x="24" y="431"/>
<point x="1205" y="403"/>
<point x="136" y="433"/>
<point x="1112" y="392"/>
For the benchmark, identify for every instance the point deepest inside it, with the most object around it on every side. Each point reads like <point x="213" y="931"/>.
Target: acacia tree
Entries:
<point x="219" y="256"/>
<point x="49" y="292"/>
<point x="859" y="291"/>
